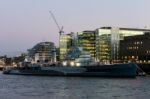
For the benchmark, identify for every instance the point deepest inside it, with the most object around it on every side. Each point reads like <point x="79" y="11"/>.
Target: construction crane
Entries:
<point x="60" y="29"/>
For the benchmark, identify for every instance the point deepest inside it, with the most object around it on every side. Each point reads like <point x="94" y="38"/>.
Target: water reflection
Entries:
<point x="37" y="87"/>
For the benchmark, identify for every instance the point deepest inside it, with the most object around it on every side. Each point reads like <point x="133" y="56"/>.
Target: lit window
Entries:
<point x="133" y="57"/>
<point x="135" y="43"/>
<point x="125" y="57"/>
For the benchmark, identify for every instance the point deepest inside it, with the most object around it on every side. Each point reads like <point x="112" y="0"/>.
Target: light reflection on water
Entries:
<point x="39" y="87"/>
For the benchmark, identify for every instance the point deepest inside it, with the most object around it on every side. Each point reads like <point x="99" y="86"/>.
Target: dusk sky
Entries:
<point x="23" y="23"/>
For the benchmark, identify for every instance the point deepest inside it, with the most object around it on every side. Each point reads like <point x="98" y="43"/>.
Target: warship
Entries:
<point x="82" y="66"/>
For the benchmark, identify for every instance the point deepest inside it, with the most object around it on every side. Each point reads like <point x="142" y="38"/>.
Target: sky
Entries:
<point x="24" y="23"/>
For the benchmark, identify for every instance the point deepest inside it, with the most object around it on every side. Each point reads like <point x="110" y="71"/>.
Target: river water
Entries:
<point x="42" y="87"/>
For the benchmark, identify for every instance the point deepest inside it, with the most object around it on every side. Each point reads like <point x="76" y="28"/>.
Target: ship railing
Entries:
<point x="7" y="68"/>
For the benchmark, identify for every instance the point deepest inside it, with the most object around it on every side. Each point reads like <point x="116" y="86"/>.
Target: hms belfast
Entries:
<point x="116" y="70"/>
<point x="83" y="66"/>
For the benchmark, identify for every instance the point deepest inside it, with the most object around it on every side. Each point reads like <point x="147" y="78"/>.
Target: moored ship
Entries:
<point x="115" y="70"/>
<point x="82" y="66"/>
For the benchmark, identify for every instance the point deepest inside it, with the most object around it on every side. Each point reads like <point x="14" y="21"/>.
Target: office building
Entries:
<point x="135" y="48"/>
<point x="43" y="52"/>
<point x="86" y="40"/>
<point x="108" y="41"/>
<point x="65" y="44"/>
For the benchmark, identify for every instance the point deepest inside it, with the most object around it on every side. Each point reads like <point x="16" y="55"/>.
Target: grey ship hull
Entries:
<point x="118" y="70"/>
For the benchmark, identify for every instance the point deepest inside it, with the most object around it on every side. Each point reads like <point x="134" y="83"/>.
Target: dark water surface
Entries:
<point x="39" y="87"/>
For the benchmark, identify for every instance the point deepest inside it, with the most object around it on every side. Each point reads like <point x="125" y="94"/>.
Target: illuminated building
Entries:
<point x="108" y="41"/>
<point x="135" y="48"/>
<point x="2" y="61"/>
<point x="66" y="41"/>
<point x="86" y="40"/>
<point x="43" y="52"/>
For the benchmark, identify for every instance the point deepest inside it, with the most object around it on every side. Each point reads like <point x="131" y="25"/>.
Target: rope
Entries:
<point x="143" y="73"/>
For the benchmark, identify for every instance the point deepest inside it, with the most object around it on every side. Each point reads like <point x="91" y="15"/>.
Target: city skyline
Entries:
<point x="25" y="23"/>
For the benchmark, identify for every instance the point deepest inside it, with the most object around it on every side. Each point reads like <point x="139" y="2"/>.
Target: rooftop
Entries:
<point x="132" y="29"/>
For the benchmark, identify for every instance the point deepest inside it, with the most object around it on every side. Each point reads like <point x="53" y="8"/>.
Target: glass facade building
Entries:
<point x="108" y="41"/>
<point x="42" y="52"/>
<point x="103" y="42"/>
<point x="86" y="40"/>
<point x="65" y="43"/>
